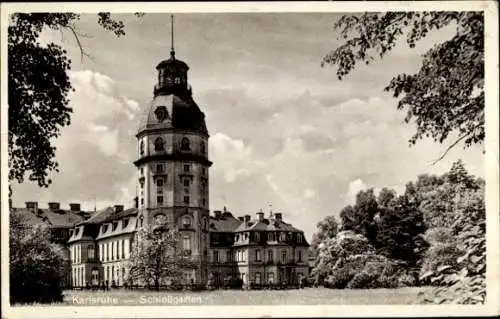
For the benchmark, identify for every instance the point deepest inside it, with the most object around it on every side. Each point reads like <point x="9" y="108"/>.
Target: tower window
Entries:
<point x="186" y="183"/>
<point x="186" y="200"/>
<point x="185" y="144"/>
<point x="177" y="80"/>
<point x="142" y="170"/>
<point x="202" y="147"/>
<point x="159" y="145"/>
<point x="142" y="184"/>
<point x="159" y="200"/>
<point x="159" y="182"/>
<point x="142" y="148"/>
<point x="159" y="168"/>
<point x="186" y="168"/>
<point x="204" y="202"/>
<point x="186" y="221"/>
<point x="142" y="201"/>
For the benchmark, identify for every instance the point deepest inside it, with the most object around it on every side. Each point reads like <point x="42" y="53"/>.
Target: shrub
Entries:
<point x="36" y="266"/>
<point x="363" y="280"/>
<point x="339" y="279"/>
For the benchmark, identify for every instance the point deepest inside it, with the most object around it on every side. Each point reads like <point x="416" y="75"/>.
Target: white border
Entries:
<point x="491" y="307"/>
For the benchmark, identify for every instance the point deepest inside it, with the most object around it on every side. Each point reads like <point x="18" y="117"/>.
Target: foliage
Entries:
<point x="333" y="251"/>
<point x="464" y="281"/>
<point x="327" y="228"/>
<point x="446" y="95"/>
<point x="155" y="259"/>
<point x="36" y="265"/>
<point x="38" y="91"/>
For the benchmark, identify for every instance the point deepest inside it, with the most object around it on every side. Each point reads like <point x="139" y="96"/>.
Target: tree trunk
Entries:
<point x="157" y="284"/>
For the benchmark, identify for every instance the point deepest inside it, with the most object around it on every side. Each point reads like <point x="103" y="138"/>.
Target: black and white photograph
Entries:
<point x="168" y="159"/>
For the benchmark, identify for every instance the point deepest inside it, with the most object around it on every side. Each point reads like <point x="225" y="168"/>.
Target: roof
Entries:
<point x="270" y="224"/>
<point x="108" y="214"/>
<point x="227" y="223"/>
<point x="52" y="218"/>
<point x="181" y="113"/>
<point x="173" y="62"/>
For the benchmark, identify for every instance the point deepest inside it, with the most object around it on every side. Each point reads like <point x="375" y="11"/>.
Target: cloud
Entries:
<point x="95" y="152"/>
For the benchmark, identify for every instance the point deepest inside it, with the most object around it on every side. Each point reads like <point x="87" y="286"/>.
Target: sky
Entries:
<point x="285" y="133"/>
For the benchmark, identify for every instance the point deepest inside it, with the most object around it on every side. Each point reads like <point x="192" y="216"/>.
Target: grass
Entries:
<point x="307" y="296"/>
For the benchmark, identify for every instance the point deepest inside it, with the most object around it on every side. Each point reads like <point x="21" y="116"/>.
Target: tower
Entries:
<point x="173" y="164"/>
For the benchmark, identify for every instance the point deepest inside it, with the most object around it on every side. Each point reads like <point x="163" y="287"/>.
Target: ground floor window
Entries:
<point x="270" y="278"/>
<point x="257" y="278"/>
<point x="95" y="277"/>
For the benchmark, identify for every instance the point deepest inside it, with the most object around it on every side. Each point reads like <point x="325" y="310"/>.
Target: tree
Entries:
<point x="36" y="265"/>
<point x="155" y="258"/>
<point x="446" y="95"/>
<point x="359" y="218"/>
<point x="335" y="250"/>
<point x="38" y="90"/>
<point x="327" y="228"/>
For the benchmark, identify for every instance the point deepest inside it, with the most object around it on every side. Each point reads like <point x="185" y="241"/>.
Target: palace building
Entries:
<point x="173" y="186"/>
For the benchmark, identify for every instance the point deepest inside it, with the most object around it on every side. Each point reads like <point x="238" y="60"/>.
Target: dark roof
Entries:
<point x="52" y="218"/>
<point x="225" y="224"/>
<point x="181" y="113"/>
<point x="108" y="214"/>
<point x="267" y="225"/>
<point x="172" y="62"/>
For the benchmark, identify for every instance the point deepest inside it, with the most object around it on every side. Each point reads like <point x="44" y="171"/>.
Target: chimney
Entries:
<point x="241" y="218"/>
<point x="32" y="205"/>
<point x="277" y="216"/>
<point x="217" y="214"/>
<point x="75" y="207"/>
<point x="260" y="216"/>
<point x="54" y="206"/>
<point x="247" y="218"/>
<point x="118" y="208"/>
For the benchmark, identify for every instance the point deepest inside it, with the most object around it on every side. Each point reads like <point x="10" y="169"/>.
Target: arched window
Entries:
<point x="142" y="147"/>
<point x="185" y="144"/>
<point x="159" y="145"/>
<point x="202" y="147"/>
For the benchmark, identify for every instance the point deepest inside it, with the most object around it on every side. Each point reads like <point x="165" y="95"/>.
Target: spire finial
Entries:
<point x="172" y="51"/>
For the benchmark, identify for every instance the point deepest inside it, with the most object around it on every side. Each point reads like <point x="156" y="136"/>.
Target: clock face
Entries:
<point x="161" y="113"/>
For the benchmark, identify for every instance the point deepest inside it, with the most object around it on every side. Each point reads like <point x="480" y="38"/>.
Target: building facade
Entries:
<point x="173" y="187"/>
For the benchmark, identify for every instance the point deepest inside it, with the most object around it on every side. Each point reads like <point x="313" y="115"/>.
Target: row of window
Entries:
<point x="115" y="250"/>
<point x="159" y="145"/>
<point x="114" y="225"/>
<point x="114" y="274"/>
<point x="160" y="169"/>
<point x="271" y="236"/>
<point x="186" y="200"/>
<point x="242" y="256"/>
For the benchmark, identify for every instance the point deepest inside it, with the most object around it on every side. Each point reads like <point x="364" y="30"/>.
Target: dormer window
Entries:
<point x="159" y="145"/>
<point x="185" y="144"/>
<point x="125" y="222"/>
<point x="104" y="228"/>
<point x="115" y="225"/>
<point x="257" y="236"/>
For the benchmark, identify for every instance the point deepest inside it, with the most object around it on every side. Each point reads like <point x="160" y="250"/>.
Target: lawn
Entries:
<point x="307" y="296"/>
